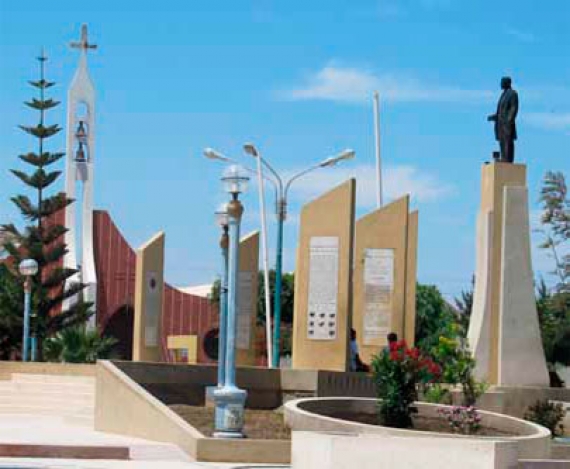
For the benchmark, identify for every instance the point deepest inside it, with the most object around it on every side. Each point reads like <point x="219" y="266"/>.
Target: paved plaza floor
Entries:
<point x="17" y="463"/>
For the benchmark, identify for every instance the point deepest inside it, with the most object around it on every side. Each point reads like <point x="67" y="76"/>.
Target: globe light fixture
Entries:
<point x="222" y="217"/>
<point x="28" y="267"/>
<point x="234" y="180"/>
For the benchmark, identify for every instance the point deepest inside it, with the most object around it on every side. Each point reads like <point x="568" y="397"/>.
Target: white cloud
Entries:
<point x="354" y="85"/>
<point x="548" y="120"/>
<point x="390" y="9"/>
<point x="397" y="180"/>
<point x="522" y="36"/>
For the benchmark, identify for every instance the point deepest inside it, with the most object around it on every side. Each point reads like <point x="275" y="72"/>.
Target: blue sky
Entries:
<point x="296" y="78"/>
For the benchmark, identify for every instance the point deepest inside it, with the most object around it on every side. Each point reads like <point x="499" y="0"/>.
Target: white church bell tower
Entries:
<point x="80" y="158"/>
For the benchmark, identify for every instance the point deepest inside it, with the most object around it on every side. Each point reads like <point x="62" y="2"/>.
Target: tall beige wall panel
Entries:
<point x="149" y="290"/>
<point x="323" y="284"/>
<point x="411" y="278"/>
<point x="247" y="299"/>
<point x="479" y="334"/>
<point x="385" y="276"/>
<point x="502" y="330"/>
<point x="521" y="355"/>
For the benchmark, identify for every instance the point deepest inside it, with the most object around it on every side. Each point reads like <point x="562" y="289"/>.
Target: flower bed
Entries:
<point x="357" y="415"/>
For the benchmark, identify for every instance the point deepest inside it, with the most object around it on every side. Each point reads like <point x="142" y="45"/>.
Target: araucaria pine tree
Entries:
<point x="43" y="238"/>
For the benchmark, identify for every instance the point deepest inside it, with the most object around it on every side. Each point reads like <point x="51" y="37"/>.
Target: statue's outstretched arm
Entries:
<point x="492" y="118"/>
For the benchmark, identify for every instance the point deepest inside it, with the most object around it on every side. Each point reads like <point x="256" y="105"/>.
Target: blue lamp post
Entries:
<point x="229" y="399"/>
<point x="222" y="220"/>
<point x="27" y="268"/>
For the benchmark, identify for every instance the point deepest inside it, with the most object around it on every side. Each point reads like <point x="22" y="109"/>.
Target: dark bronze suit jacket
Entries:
<point x="507" y="110"/>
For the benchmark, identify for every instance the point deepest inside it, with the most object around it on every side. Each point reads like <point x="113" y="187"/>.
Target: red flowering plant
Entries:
<point x="398" y="371"/>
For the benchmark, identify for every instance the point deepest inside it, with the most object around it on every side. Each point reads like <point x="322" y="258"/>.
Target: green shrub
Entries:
<point x="437" y="394"/>
<point x="397" y="373"/>
<point x="548" y="415"/>
<point x="78" y="345"/>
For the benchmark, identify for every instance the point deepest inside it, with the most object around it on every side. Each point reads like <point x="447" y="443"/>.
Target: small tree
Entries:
<point x="464" y="305"/>
<point x="11" y="294"/>
<point x="42" y="238"/>
<point x="434" y="317"/>
<point x="556" y="225"/>
<point x="554" y="305"/>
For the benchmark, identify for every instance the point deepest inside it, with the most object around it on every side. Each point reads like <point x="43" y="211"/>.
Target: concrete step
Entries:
<point x="59" y="405"/>
<point x="48" y="387"/>
<point x="18" y="388"/>
<point x="32" y="378"/>
<point x="80" y="414"/>
<point x="80" y="420"/>
<point x="50" y="391"/>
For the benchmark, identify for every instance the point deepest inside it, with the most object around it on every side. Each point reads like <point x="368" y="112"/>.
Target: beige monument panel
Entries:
<point x="149" y="290"/>
<point x="494" y="179"/>
<point x="411" y="278"/>
<point x="380" y="275"/>
<point x="247" y="299"/>
<point x="323" y="284"/>
<point x="479" y="333"/>
<point x="521" y="355"/>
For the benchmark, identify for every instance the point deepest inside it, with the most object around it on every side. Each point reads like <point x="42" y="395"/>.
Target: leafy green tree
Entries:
<point x="287" y="296"/>
<point x="11" y="295"/>
<point x="42" y="239"/>
<point x="435" y="318"/>
<point x="464" y="305"/>
<point x="78" y="345"/>
<point x="554" y="305"/>
<point x="556" y="225"/>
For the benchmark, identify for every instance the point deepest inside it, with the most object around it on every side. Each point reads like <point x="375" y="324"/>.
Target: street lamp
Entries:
<point x="222" y="220"/>
<point x="28" y="268"/>
<point x="281" y="208"/>
<point x="229" y="399"/>
<point x="212" y="154"/>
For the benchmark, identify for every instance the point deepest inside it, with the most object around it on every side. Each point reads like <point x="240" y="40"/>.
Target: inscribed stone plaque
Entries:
<point x="378" y="293"/>
<point x="323" y="288"/>
<point x="245" y="310"/>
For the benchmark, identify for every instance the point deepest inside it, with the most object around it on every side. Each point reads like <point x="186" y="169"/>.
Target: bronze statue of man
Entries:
<point x="504" y="119"/>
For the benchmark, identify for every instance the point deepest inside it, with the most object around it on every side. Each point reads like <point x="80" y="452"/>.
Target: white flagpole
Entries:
<point x="268" y="330"/>
<point x="379" y="199"/>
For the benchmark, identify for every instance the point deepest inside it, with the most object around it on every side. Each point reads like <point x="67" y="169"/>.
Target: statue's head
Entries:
<point x="506" y="83"/>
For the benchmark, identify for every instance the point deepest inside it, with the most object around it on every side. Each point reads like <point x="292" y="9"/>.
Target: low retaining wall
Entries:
<point x="334" y="451"/>
<point x="515" y="401"/>
<point x="7" y="368"/>
<point x="122" y="406"/>
<point x="317" y="414"/>
<point x="267" y="388"/>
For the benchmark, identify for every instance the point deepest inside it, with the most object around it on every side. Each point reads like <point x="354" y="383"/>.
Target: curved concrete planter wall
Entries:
<point x="318" y="414"/>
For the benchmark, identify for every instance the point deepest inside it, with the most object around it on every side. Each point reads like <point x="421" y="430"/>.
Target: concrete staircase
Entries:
<point x="71" y="398"/>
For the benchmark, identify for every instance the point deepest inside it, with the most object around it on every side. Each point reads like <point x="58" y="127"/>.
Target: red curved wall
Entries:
<point x="115" y="262"/>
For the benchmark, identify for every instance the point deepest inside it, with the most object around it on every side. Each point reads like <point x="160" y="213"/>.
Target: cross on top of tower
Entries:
<point x="83" y="43"/>
<point x="43" y="56"/>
